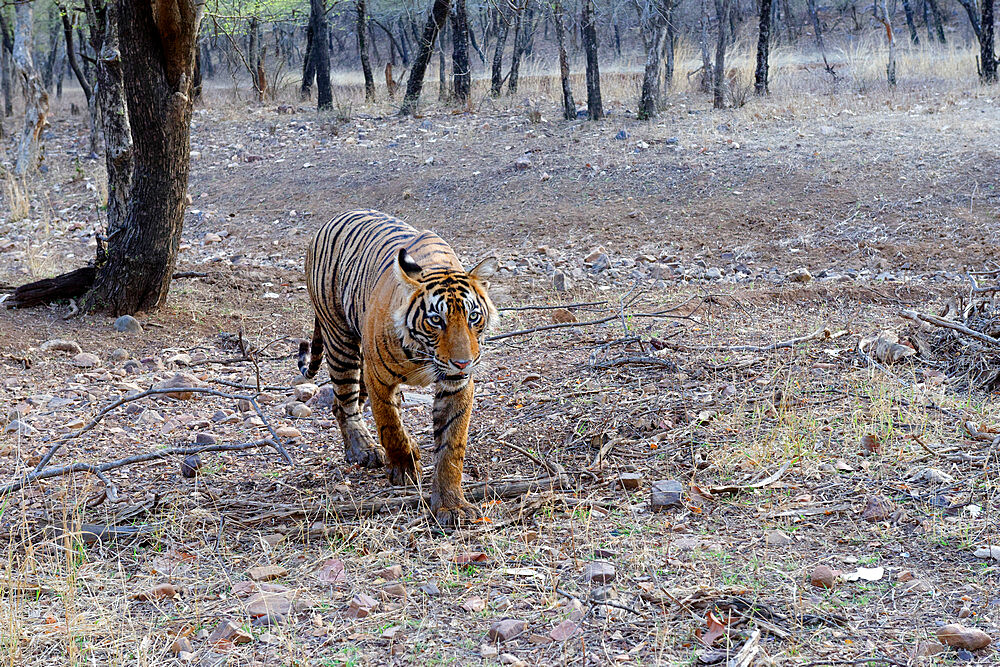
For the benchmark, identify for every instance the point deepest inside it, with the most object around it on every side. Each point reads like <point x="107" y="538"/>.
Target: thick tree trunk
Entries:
<point x="157" y="62"/>
<point x="436" y="20"/>
<point x="36" y="105"/>
<point x="569" y="107"/>
<point x="496" y="79"/>
<point x="321" y="54"/>
<point x="462" y="76"/>
<point x="595" y="109"/>
<point x="938" y="22"/>
<point x="719" y="78"/>
<point x="763" y="48"/>
<point x="987" y="56"/>
<point x="656" y="24"/>
<point x="515" y="58"/>
<point x="366" y="66"/>
<point x="908" y="9"/>
<point x="308" y="65"/>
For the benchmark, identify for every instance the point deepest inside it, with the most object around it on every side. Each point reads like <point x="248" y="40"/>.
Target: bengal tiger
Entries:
<point x="394" y="306"/>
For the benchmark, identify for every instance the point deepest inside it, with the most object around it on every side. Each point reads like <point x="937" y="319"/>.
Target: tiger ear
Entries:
<point x="485" y="269"/>
<point x="407" y="270"/>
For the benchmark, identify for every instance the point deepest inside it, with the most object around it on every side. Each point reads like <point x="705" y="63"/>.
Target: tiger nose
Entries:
<point x="461" y="364"/>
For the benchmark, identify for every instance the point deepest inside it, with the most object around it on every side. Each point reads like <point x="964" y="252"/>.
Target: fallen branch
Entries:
<point x="820" y="334"/>
<point x="276" y="442"/>
<point x="949" y="324"/>
<point x="100" y="469"/>
<point x="567" y="306"/>
<point x="606" y="603"/>
<point x="637" y="361"/>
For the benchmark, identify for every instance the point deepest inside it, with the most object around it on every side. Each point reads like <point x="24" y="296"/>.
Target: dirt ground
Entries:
<point x="787" y="458"/>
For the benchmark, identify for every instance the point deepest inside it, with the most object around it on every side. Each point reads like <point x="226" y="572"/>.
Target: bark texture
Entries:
<point x="436" y="20"/>
<point x="36" y="100"/>
<point x="987" y="56"/>
<point x="595" y="108"/>
<point x="366" y="66"/>
<point x="462" y="72"/>
<point x="320" y="54"/>
<point x="569" y="106"/>
<point x="763" y="48"/>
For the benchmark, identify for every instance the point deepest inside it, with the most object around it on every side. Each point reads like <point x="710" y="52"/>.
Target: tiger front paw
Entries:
<point x="404" y="472"/>
<point x="453" y="512"/>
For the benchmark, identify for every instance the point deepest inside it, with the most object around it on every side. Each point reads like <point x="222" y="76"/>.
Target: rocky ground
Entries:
<point x="665" y="484"/>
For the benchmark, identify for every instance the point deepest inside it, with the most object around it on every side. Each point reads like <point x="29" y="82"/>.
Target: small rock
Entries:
<point x="561" y="282"/>
<point x="800" y="275"/>
<point x="488" y="651"/>
<point x="522" y="164"/>
<point x="602" y="263"/>
<point x="713" y="273"/>
<point x="916" y="586"/>
<point x="393" y="590"/>
<point x="992" y="551"/>
<point x="622" y="135"/>
<point x="267" y="572"/>
<point x="960" y="636"/>
<point x="877" y="508"/>
<point x="965" y="612"/>
<point x="599" y="572"/>
<point x="562" y="316"/>
<point x="927" y="649"/>
<point x="305" y="391"/>
<point x="19" y="427"/>
<point x="180" y="359"/>
<point x="823" y="577"/>
<point x="391" y="573"/>
<point x="190" y="466"/>
<point x="545" y="176"/>
<point x="86" y="360"/>
<point x="361" y="606"/>
<point x="211" y="237"/>
<point x="205" y="439"/>
<point x="777" y="538"/>
<point x="298" y="410"/>
<point x="60" y="345"/>
<point x="507" y="629"/>
<point x="118" y="355"/>
<point x="512" y="660"/>
<point x="229" y="632"/>
<point x="332" y="571"/>
<point x="665" y="494"/>
<point x="181" y="645"/>
<point x="630" y="481"/>
<point x="127" y="324"/>
<point x="594" y="254"/>
<point x="262" y="604"/>
<point x="474" y="604"/>
<point x="178" y="381"/>
<point x="563" y="631"/>
<point x="288" y="432"/>
<point x="158" y="592"/>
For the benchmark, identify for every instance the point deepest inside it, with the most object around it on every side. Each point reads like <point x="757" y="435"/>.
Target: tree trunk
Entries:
<point x="595" y="110"/>
<point x="817" y="28"/>
<point x="763" y="48"/>
<point x="366" y="66"/>
<point x="321" y="54"/>
<point x="882" y="16"/>
<point x="462" y="77"/>
<point x="442" y="69"/>
<point x="908" y="9"/>
<point x="706" y="56"/>
<point x="6" y="51"/>
<point x="987" y="56"/>
<point x="649" y="98"/>
<point x="938" y="23"/>
<point x="308" y="64"/>
<point x="669" y="46"/>
<point x="515" y="57"/>
<point x="496" y="80"/>
<point x="157" y="61"/>
<point x="719" y="78"/>
<point x="475" y="44"/>
<point x="437" y="18"/>
<point x="404" y="47"/>
<point x="48" y="73"/>
<point x="569" y="107"/>
<point x="74" y="63"/>
<point x="973" y="12"/>
<point x="36" y="105"/>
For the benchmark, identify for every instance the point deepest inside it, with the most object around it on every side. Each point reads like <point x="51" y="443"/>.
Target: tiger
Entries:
<point x="394" y="306"/>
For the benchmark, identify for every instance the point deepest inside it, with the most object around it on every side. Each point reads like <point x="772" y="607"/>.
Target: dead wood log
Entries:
<point x="66" y="286"/>
<point x="949" y="324"/>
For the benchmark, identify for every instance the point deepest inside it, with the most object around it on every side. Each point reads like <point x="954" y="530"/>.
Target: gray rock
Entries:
<point x="522" y="164"/>
<point x="60" y="345"/>
<point x="127" y="324"/>
<point x="119" y="355"/>
<point x="599" y="572"/>
<point x="205" y="439"/>
<point x="600" y="263"/>
<point x="713" y="273"/>
<point x="665" y="494"/>
<point x="561" y="282"/>
<point x="800" y="275"/>
<point x="19" y="427"/>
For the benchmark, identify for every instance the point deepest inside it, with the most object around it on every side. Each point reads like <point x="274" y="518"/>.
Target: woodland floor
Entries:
<point x="886" y="199"/>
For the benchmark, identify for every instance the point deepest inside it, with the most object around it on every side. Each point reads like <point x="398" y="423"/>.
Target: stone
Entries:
<point x="132" y="367"/>
<point x="229" y="631"/>
<point x="602" y="263"/>
<point x="60" y="345"/>
<point x="474" y="604"/>
<point x="305" y="391"/>
<point x="180" y="359"/>
<point x="823" y="577"/>
<point x="190" y="466"/>
<point x="507" y="629"/>
<point x="561" y="282"/>
<point x="19" y="427"/>
<point x="960" y="636"/>
<point x="522" y="163"/>
<point x="391" y="573"/>
<point x="564" y="631"/>
<point x="512" y="660"/>
<point x="393" y="590"/>
<point x="361" y="606"/>
<point x="562" y="316"/>
<point x="431" y="589"/>
<point x="211" y="237"/>
<point x="127" y="324"/>
<point x="86" y="360"/>
<point x="800" y="275"/>
<point x="927" y="649"/>
<point x="288" y="432"/>
<point x="205" y="439"/>
<point x="181" y="645"/>
<point x="665" y="494"/>
<point x="713" y="273"/>
<point x="150" y="417"/>
<point x="178" y="381"/>
<point x="298" y="410"/>
<point x="777" y="538"/>
<point x="594" y="254"/>
<point x="267" y="572"/>
<point x="118" y="355"/>
<point x="630" y="481"/>
<point x="263" y="604"/>
<point x="877" y="508"/>
<point x="545" y="176"/>
<point x="599" y="572"/>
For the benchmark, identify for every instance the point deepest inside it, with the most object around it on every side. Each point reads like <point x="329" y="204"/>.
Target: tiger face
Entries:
<point x="444" y="318"/>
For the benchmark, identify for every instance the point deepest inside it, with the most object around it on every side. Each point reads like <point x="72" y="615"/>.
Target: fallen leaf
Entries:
<point x="716" y="629"/>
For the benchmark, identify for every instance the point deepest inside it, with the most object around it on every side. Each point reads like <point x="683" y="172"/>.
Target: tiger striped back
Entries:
<point x="394" y="306"/>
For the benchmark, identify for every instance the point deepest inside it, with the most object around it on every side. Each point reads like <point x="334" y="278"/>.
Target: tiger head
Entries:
<point x="443" y="319"/>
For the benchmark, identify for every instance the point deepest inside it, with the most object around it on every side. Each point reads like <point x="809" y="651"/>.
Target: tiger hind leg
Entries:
<point x="344" y="360"/>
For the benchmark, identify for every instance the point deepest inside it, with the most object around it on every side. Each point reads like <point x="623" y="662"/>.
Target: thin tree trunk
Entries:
<point x="649" y="98"/>
<point x="987" y="56"/>
<point x="817" y="28"/>
<point x="496" y="79"/>
<point x="74" y="63"/>
<point x="569" y="107"/>
<point x="882" y="16"/>
<point x="763" y="48"/>
<point x="914" y="38"/>
<point x="404" y="47"/>
<point x="442" y="69"/>
<point x="925" y="9"/>
<point x="938" y="22"/>
<point x="36" y="105"/>
<point x="308" y="64"/>
<point x="706" y="56"/>
<point x="366" y="66"/>
<point x="515" y="58"/>
<point x="719" y="79"/>
<point x="973" y="12"/>
<point x="321" y="54"/>
<point x="595" y="109"/>
<point x="157" y="62"/>
<point x="437" y="19"/>
<point x="462" y="76"/>
<point x="475" y="45"/>
<point x="7" y="66"/>
<point x="669" y="46"/>
<point x="49" y="71"/>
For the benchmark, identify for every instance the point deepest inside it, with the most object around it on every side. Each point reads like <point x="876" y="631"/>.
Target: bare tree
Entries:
<point x="763" y="48"/>
<point x="435" y="21"/>
<point x="320" y="53"/>
<point x="719" y="77"/>
<point x="36" y="100"/>
<point x="595" y="109"/>
<point x="883" y="17"/>
<point x="938" y="21"/>
<point x="569" y="107"/>
<point x="987" y="56"/>
<point x="503" y="29"/>
<point x="908" y="10"/>
<point x="462" y="72"/>
<point x="366" y="66"/>
<point x="653" y="29"/>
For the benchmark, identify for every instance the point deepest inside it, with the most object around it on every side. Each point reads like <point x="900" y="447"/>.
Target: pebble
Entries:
<point x="665" y="494"/>
<point x="507" y="629"/>
<point x="630" y="480"/>
<point x="205" y="439"/>
<point x="298" y="410"/>
<point x="267" y="572"/>
<point x="877" y="508"/>
<point x="563" y="631"/>
<point x="118" y="355"/>
<point x="562" y="316"/>
<point x="713" y="273"/>
<point x="19" y="427"/>
<point x="190" y="466"/>
<point x="127" y="324"/>
<point x="229" y="631"/>
<point x="180" y="380"/>
<point x="86" y="360"/>
<point x="263" y="604"/>
<point x="823" y="577"/>
<point x="800" y="275"/>
<point x="522" y="163"/>
<point x="361" y="606"/>
<point x="60" y="345"/>
<point x="778" y="538"/>
<point x="305" y="391"/>
<point x="288" y="432"/>
<point x="960" y="636"/>
<point x="599" y="572"/>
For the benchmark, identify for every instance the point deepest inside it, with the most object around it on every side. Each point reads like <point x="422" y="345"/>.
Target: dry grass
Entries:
<point x="16" y="197"/>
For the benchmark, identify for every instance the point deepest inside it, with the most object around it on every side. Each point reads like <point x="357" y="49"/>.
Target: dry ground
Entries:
<point x="886" y="197"/>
